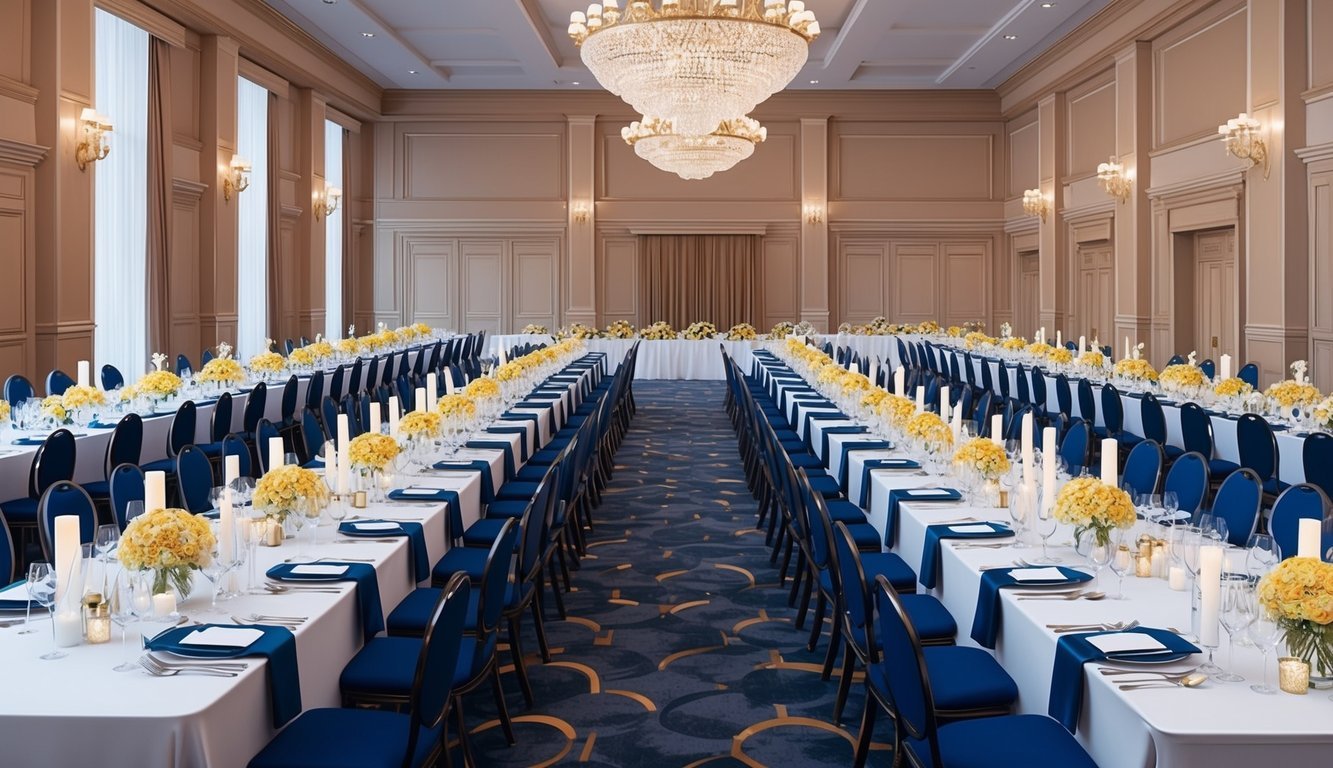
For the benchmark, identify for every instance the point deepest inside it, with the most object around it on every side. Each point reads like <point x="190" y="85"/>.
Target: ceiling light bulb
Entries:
<point x="367" y="34"/>
<point x="1011" y="37"/>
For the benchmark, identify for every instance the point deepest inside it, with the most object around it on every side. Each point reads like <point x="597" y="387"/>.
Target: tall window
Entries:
<point x="252" y="215"/>
<point x="120" y="197"/>
<point x="333" y="233"/>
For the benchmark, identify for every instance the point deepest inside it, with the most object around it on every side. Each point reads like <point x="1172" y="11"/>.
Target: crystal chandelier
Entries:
<point x="694" y="62"/>
<point x="694" y="157"/>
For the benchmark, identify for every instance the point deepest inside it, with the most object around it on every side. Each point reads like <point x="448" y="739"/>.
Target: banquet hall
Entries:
<point x="666" y="382"/>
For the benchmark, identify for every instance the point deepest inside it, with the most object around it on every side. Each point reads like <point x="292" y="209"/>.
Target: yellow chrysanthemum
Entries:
<point x="420" y="424"/>
<point x="372" y="451"/>
<point x="982" y="456"/>
<point x="1135" y="368"/>
<point x="222" y="370"/>
<point x="456" y="406"/>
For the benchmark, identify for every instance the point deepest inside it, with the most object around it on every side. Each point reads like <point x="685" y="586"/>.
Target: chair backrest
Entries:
<point x="1317" y="456"/>
<point x="311" y="434"/>
<point x="263" y="433"/>
<point x="194" y="479"/>
<point x="336" y="382"/>
<point x="314" y="392"/>
<point x="1238" y="500"/>
<point x="1074" y="448"/>
<point x="64" y="498"/>
<point x="57" y="381"/>
<point x="125" y="445"/>
<point x="1024" y="393"/>
<point x="852" y="580"/>
<point x="987" y="382"/>
<point x="355" y="420"/>
<point x="373" y="373"/>
<point x="255" y="403"/>
<point x="1257" y="445"/>
<point x="1175" y="360"/>
<point x="1196" y="429"/>
<point x="183" y="364"/>
<point x="126" y="484"/>
<point x="1188" y="478"/>
<point x="1300" y="501"/>
<point x="533" y="528"/>
<point x="1249" y="373"/>
<point x="52" y="463"/>
<point x="1154" y="421"/>
<point x="112" y="377"/>
<point x="1064" y="395"/>
<point x="18" y="389"/>
<point x="6" y="552"/>
<point x="1113" y="411"/>
<point x="1039" y="388"/>
<point x="1143" y="468"/>
<point x="909" y="685"/>
<point x="182" y="428"/>
<point x="495" y="578"/>
<point x="233" y="445"/>
<point x="1087" y="402"/>
<point x="354" y="378"/>
<point x="220" y="426"/>
<point x="981" y="413"/>
<point x="1209" y="368"/>
<point x="328" y="410"/>
<point x="206" y="357"/>
<point x="289" y="345"/>
<point x="432" y="683"/>
<point x="290" y="391"/>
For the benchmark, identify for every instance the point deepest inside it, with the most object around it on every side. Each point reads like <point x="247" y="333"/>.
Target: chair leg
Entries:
<point x="564" y="564"/>
<point x="520" y="671"/>
<point x="867" y="730"/>
<point x="786" y="559"/>
<point x="539" y="623"/>
<point x="817" y="622"/>
<point x="796" y="577"/>
<point x="468" y="758"/>
<point x="499" y="692"/>
<point x="817" y="626"/>
<point x="844" y="684"/>
<point x="834" y="642"/>
<point x="555" y="591"/>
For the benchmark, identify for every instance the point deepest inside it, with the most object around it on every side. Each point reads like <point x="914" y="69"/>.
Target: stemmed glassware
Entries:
<point x="42" y="589"/>
<point x="1235" y="615"/>
<point x="130" y="598"/>
<point x="1122" y="560"/>
<point x="1266" y="632"/>
<point x="1046" y="525"/>
<point x="220" y="567"/>
<point x="1262" y="554"/>
<point x="105" y="541"/>
<point x="133" y="509"/>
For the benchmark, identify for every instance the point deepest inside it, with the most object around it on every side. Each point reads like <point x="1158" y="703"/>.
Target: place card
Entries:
<point x="418" y="492"/>
<point x="223" y="637"/>
<point x="972" y="529"/>
<point x="330" y="570"/>
<point x="1037" y="574"/>
<point x="1126" y="642"/>
<point x="930" y="493"/>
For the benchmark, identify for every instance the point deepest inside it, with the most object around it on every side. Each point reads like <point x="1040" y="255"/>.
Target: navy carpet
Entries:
<point x="680" y="648"/>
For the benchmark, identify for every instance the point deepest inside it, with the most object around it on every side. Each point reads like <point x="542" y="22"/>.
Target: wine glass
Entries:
<point x="1234" y="617"/>
<point x="1218" y="532"/>
<point x="1262" y="554"/>
<point x="42" y="588"/>
<point x="297" y="520"/>
<point x="1266" y="631"/>
<point x="314" y="515"/>
<point x="36" y="572"/>
<point x="130" y="598"/>
<point x="1122" y="560"/>
<point x="106" y="539"/>
<point x="133" y="509"/>
<point x="1099" y="556"/>
<point x="1170" y="503"/>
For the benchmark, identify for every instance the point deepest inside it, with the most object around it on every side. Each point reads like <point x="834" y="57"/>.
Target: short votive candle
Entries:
<point x="1293" y="675"/>
<point x="1143" y="565"/>
<point x="1177" y="578"/>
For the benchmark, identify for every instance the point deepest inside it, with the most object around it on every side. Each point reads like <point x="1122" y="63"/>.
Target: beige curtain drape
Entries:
<point x="687" y="278"/>
<point x="274" y="221"/>
<point x="159" y="196"/>
<point x="349" y="273"/>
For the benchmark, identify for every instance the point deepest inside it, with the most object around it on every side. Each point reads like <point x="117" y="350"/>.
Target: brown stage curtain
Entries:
<point x="159" y="196"/>
<point x="349" y="272"/>
<point x="689" y="278"/>
<point x="274" y="221"/>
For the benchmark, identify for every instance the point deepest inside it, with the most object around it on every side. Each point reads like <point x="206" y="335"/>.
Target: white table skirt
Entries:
<point x="681" y="359"/>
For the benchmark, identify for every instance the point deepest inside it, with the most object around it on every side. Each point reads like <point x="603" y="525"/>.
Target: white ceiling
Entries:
<point x="505" y="44"/>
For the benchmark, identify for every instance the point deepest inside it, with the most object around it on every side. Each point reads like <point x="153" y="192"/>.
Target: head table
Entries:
<point x="1216" y="725"/>
<point x="77" y="710"/>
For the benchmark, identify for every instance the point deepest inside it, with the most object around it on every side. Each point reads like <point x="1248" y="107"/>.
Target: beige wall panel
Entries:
<point x="1321" y="278"/>
<point x="1023" y="170"/>
<point x="14" y="357"/>
<point x="966" y="278"/>
<point x="17" y="118"/>
<point x="14" y="36"/>
<point x="1319" y="120"/>
<point x="896" y="167"/>
<point x="1201" y="79"/>
<point x="535" y="283"/>
<point x="769" y="174"/>
<point x="618" y="280"/>
<point x="483" y="166"/>
<point x="185" y="161"/>
<point x="781" y="300"/>
<point x="433" y="285"/>
<point x="1190" y="162"/>
<point x="1091" y="129"/>
<point x="183" y="278"/>
<point x="863" y="282"/>
<point x="915" y="282"/>
<point x="1321" y="56"/>
<point x="483" y="285"/>
<point x="185" y="93"/>
<point x="13" y="288"/>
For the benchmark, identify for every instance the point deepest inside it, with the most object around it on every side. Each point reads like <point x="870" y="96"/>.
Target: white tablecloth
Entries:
<point x="680" y="359"/>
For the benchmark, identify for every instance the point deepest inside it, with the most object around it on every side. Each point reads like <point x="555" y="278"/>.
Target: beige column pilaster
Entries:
<point x="581" y="211"/>
<point x="1054" y="253"/>
<point x="814" y="271"/>
<point x="1133" y="217"/>
<point x="311" y="109"/>
<point x="217" y="217"/>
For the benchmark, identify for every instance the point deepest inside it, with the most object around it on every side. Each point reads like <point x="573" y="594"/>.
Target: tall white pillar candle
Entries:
<point x="331" y="464"/>
<point x="1224" y="367"/>
<point x="421" y="402"/>
<point x="374" y="418"/>
<point x="1110" y="461"/>
<point x="874" y="372"/>
<point x="1059" y="339"/>
<point x="231" y="468"/>
<point x="448" y="383"/>
<point x="1029" y="454"/>
<point x="1307" y="537"/>
<point x="1082" y="344"/>
<point x="1126" y="357"/>
<point x="1210" y="593"/>
<point x="957" y="424"/>
<point x="68" y="552"/>
<point x="394" y="416"/>
<point x="944" y="404"/>
<point x="344" y="432"/>
<point x="84" y="374"/>
<point x="154" y="491"/>
<point x="226" y="526"/>
<point x="503" y="358"/>
<point x="900" y="381"/>
<point x="1041" y="335"/>
<point x="997" y="429"/>
<point x="920" y="399"/>
<point x="344" y="471"/>
<point x="1048" y="460"/>
<point x="432" y="389"/>
<point x="276" y="453"/>
<point x="164" y="604"/>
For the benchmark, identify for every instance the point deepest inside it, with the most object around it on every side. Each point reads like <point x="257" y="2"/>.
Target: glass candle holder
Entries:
<point x="96" y="622"/>
<point x="1293" y="675"/>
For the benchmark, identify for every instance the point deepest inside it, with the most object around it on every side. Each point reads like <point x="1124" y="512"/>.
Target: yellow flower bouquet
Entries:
<point x="1060" y="356"/>
<point x="1323" y="413"/>
<point x="286" y="489"/>
<point x="873" y="397"/>
<point x="578" y="331"/>
<point x="1135" y="368"/>
<point x="977" y="339"/>
<point x="982" y="457"/>
<point x="1088" y="504"/>
<point x="303" y="356"/>
<point x="1039" y="349"/>
<point x="456" y="407"/>
<point x="4" y="411"/>
<point x="172" y="543"/>
<point x="159" y="385"/>
<point x="931" y="431"/>
<point x="510" y="371"/>
<point x="1299" y="592"/>
<point x="658" y="331"/>
<point x="620" y="329"/>
<point x="371" y="452"/>
<point x="1232" y="387"/>
<point x="420" y="424"/>
<point x="1014" y="344"/>
<point x="483" y="388"/>
<point x="1290" y="393"/>
<point x="267" y="363"/>
<point x="350" y="346"/>
<point x="533" y="329"/>
<point x="321" y="349"/>
<point x="1183" y="378"/>
<point x="780" y="331"/>
<point x="53" y="407"/>
<point x="1092" y="359"/>
<point x="222" y="370"/>
<point x="928" y="327"/>
<point x="898" y="411"/>
<point x="742" y="332"/>
<point x="955" y="331"/>
<point x="77" y="397"/>
<point x="700" y="330"/>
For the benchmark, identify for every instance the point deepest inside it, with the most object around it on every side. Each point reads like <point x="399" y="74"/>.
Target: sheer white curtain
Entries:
<point x="120" y="199"/>
<point x="252" y="214"/>
<point x="333" y="233"/>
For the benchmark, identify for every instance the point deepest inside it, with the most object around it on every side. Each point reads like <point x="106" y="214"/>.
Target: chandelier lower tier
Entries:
<point x="694" y="157"/>
<point x="695" y="62"/>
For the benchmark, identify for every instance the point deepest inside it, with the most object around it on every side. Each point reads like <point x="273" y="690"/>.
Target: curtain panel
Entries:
<point x="274" y="202"/>
<point x="159" y="195"/>
<point x="348" y="273"/>
<point x="688" y="278"/>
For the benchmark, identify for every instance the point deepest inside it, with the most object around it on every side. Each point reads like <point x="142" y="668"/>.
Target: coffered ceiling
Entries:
<point x="521" y="44"/>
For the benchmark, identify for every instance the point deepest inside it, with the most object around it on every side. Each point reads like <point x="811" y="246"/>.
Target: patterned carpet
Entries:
<point x="680" y="649"/>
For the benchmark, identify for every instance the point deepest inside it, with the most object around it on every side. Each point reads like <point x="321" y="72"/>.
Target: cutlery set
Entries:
<point x="289" y="622"/>
<point x="158" y="667"/>
<point x="292" y="589"/>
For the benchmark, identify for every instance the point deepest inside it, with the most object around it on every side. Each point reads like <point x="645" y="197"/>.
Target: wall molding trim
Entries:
<point x="714" y="228"/>
<point x="1216" y="186"/>
<point x="187" y="190"/>
<point x="21" y="152"/>
<point x="18" y="90"/>
<point x="895" y="226"/>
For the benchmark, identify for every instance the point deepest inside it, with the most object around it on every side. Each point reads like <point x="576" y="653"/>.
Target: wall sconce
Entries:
<point x="94" y="145"/>
<point x="1241" y="137"/>
<point x="1112" y="176"/>
<point x="814" y="213"/>
<point x="1034" y="203"/>
<point x="236" y="179"/>
<point x="581" y="212"/>
<point x="326" y="202"/>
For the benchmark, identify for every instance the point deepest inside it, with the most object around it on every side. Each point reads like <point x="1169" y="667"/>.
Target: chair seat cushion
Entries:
<point x="531" y="473"/>
<point x="890" y="566"/>
<point x="843" y="511"/>
<point x="98" y="489"/>
<point x="469" y="560"/>
<point x="346" y="738"/>
<point x="507" y="508"/>
<point x="517" y="490"/>
<point x="1027" y="740"/>
<point x="825" y="486"/>
<point x="932" y="620"/>
<point x="545" y="457"/>
<point x="161" y="465"/>
<point x="805" y="460"/>
<point x="1274" y="486"/>
<point x="1221" y="467"/>
<point x="20" y="511"/>
<point x="481" y="534"/>
<point x="385" y="666"/>
<point x="866" y="537"/>
<point x="965" y="679"/>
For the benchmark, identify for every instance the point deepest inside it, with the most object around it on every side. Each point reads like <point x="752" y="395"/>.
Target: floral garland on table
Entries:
<point x="781" y="331"/>
<point x="1232" y="387"/>
<point x="853" y="382"/>
<point x="982" y="456"/>
<point x="372" y="452"/>
<point x="931" y="430"/>
<point x="898" y="411"/>
<point x="698" y="331"/>
<point x="874" y="397"/>
<point x="1092" y="359"/>
<point x="742" y="332"/>
<point x="1039" y="349"/>
<point x="1088" y="504"/>
<point x="350" y="346"/>
<point x="1060" y="356"/>
<point x="578" y="331"/>
<point x="172" y="543"/>
<point x="620" y="329"/>
<point x="456" y="406"/>
<point x="281" y="490"/>
<point x="1183" y="378"/>
<point x="979" y="339"/>
<point x="483" y="388"/>
<point x="420" y="424"/>
<point x="1014" y="344"/>
<point x="1299" y="591"/>
<point x="533" y="329"/>
<point x="955" y="331"/>
<point x="510" y="371"/>
<point x="1135" y="368"/>
<point x="658" y="331"/>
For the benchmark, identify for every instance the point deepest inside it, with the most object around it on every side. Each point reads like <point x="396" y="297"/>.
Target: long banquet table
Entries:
<point x="76" y="710"/>
<point x="1217" y="725"/>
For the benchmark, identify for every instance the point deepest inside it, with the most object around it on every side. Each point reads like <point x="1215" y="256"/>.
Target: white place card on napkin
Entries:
<point x="324" y="570"/>
<point x="1037" y="574"/>
<point x="419" y="492"/>
<point x="971" y="529"/>
<point x="223" y="637"/>
<point x="374" y="526"/>
<point x="1126" y="642"/>
<point x="929" y="493"/>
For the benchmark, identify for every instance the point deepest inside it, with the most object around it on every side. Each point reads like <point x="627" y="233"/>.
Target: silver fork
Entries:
<point x="1117" y="626"/>
<point x="1163" y="675"/>
<point x="152" y="667"/>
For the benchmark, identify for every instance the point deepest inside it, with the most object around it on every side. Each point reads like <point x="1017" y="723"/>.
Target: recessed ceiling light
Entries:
<point x="330" y="2"/>
<point x="814" y="82"/>
<point x="576" y="82"/>
<point x="367" y="34"/>
<point x="1043" y="5"/>
<point x="411" y="71"/>
<point x="1011" y="37"/>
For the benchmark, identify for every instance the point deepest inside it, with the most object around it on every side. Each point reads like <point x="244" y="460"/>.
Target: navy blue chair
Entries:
<point x="1024" y="394"/>
<point x="1113" y="413"/>
<point x="288" y="422"/>
<point x="52" y="463"/>
<point x="181" y="434"/>
<point x="64" y="498"/>
<point x="126" y="483"/>
<point x="233" y="445"/>
<point x="1143" y="469"/>
<point x="1299" y="502"/>
<point x="1209" y="368"/>
<point x="255" y="403"/>
<point x="1317" y="458"/>
<point x="1074" y="447"/>
<point x="1038" y="389"/>
<point x="328" y="411"/>
<point x="219" y="427"/>
<point x="382" y="737"/>
<point x="57" y="381"/>
<point x="314" y="392"/>
<point x="124" y="447"/>
<point x="112" y="378"/>
<point x="312" y="439"/>
<point x="1188" y="478"/>
<point x="1238" y="501"/>
<point x="205" y="357"/>
<point x="289" y="345"/>
<point x="1175" y="360"/>
<point x="1087" y="407"/>
<point x="354" y="378"/>
<point x="183" y="365"/>
<point x="18" y="389"/>
<point x="1154" y="422"/>
<point x="1064" y="395"/>
<point x="336" y="382"/>
<point x="263" y="433"/>
<point x="981" y="413"/>
<point x="1196" y="429"/>
<point x="7" y="557"/>
<point x="194" y="479"/>
<point x="355" y="422"/>
<point x="949" y="704"/>
<point x="1257" y="447"/>
<point x="1249" y="373"/>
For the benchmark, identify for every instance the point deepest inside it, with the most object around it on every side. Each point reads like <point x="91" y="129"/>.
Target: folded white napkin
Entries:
<point x="971" y="529"/>
<point x="377" y="526"/>
<point x="1036" y="574"/>
<point x="929" y="493"/>
<point x="223" y="637"/>
<point x="419" y="492"/>
<point x="1123" y="642"/>
<point x="325" y="570"/>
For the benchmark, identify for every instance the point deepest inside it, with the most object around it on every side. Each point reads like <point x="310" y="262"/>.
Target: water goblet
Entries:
<point x="133" y="509"/>
<point x="1265" y="631"/>
<point x="1234" y="615"/>
<point x="105" y="540"/>
<point x="130" y="598"/>
<point x="42" y="589"/>
<point x="1261" y="555"/>
<point x="36" y="572"/>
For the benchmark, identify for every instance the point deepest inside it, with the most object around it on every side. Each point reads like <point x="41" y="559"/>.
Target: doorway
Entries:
<point x="1096" y="291"/>
<point x="1205" y="293"/>
<point x="1029" y="293"/>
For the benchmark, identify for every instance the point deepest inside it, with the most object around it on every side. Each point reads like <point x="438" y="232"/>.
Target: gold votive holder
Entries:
<point x="271" y="533"/>
<point x="359" y="500"/>
<point x="1293" y="675"/>
<point x="1004" y="499"/>
<point x="1143" y="566"/>
<point x="96" y="620"/>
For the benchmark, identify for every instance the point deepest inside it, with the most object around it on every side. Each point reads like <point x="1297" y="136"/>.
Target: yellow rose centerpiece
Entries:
<point x="780" y="331"/>
<point x="172" y="543"/>
<point x="456" y="407"/>
<point x="321" y="349"/>
<point x="302" y="356"/>
<point x="1039" y="349"/>
<point x="1088" y="504"/>
<point x="931" y="431"/>
<point x="82" y="398"/>
<point x="1299" y="592"/>
<point x="370" y="452"/>
<point x="420" y="425"/>
<point x="1232" y="387"/>
<point x="982" y="457"/>
<point x="4" y="411"/>
<point x="1323" y="413"/>
<point x="53" y="407"/>
<point x="898" y="411"/>
<point x="290" y="489"/>
<point x="223" y="371"/>
<point x="955" y="331"/>
<point x="1060" y="356"/>
<point x="700" y="330"/>
<point x="533" y="329"/>
<point x="1092" y="359"/>
<point x="871" y="399"/>
<point x="159" y="385"/>
<point x="620" y="329"/>
<point x="350" y="346"/>
<point x="267" y="364"/>
<point x="1014" y="344"/>
<point x="977" y="339"/>
<point x="1135" y="368"/>
<point x="1292" y="393"/>
<point x="579" y="331"/>
<point x="658" y="331"/>
<point x="742" y="332"/>
<point x="483" y="388"/>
